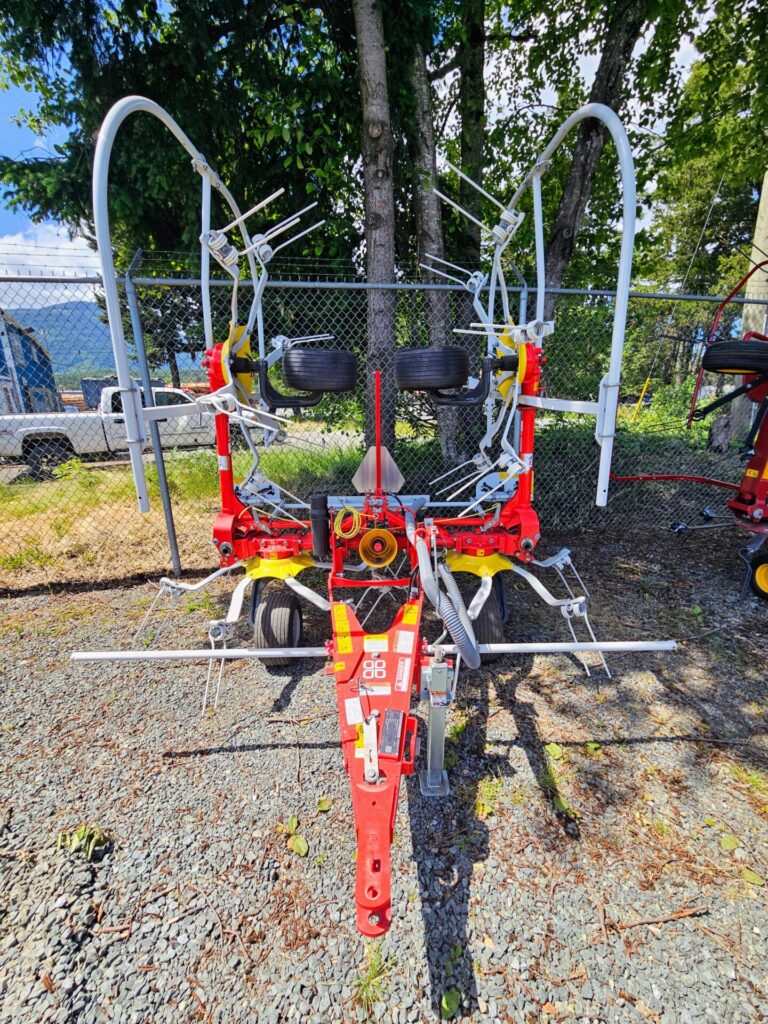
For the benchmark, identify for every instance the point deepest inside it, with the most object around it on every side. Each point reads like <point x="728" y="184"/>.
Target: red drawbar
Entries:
<point x="375" y="674"/>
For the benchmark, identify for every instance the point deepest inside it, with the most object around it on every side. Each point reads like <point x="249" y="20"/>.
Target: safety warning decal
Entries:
<point x="403" y="677"/>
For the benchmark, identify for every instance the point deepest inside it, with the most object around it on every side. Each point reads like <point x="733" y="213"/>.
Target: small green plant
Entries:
<point x="298" y="844"/>
<point x="450" y="1003"/>
<point x="90" y="840"/>
<point x="69" y="470"/>
<point x="488" y="797"/>
<point x="370" y="986"/>
<point x="201" y="602"/>
<point x="26" y="558"/>
<point x="454" y="958"/>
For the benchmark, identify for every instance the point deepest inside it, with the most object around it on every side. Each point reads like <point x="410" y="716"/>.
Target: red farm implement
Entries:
<point x="378" y="541"/>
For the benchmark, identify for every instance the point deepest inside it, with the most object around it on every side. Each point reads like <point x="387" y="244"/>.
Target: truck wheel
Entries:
<point x="489" y="626"/>
<point x="277" y="622"/>
<point x="759" y="579"/>
<point x="43" y="456"/>
<point x="425" y="369"/>
<point x="320" y="369"/>
<point x="737" y="357"/>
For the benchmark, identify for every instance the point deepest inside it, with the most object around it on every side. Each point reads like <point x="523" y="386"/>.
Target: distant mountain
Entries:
<point x="78" y="341"/>
<point x="73" y="333"/>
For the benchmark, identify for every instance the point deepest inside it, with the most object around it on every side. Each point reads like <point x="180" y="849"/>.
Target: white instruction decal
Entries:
<point x="353" y="710"/>
<point x="403" y="678"/>
<point x="405" y="641"/>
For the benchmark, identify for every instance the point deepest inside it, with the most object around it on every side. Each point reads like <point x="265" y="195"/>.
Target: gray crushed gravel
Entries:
<point x="521" y="892"/>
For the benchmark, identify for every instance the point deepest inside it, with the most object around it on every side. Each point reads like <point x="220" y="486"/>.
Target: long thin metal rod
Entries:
<point x="231" y="654"/>
<point x="565" y="648"/>
<point x="154" y="428"/>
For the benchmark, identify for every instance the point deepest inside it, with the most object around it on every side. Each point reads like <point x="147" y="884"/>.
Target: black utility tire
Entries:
<point x="320" y="369"/>
<point x="278" y="622"/>
<point x="489" y="626"/>
<point x="43" y="456"/>
<point x="427" y="369"/>
<point x="737" y="357"/>
<point x="757" y="579"/>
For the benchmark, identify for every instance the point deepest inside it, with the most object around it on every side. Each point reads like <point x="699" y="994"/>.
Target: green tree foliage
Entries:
<point x="262" y="87"/>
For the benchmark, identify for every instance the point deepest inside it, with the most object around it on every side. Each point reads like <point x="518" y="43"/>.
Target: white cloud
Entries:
<point x="44" y="251"/>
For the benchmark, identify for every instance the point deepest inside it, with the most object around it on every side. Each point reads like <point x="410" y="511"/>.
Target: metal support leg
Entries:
<point x="434" y="780"/>
<point x="437" y="688"/>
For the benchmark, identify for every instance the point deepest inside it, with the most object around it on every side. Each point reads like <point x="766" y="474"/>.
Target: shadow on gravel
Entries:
<point x="529" y="738"/>
<point x="450" y="837"/>
<point x="448" y="840"/>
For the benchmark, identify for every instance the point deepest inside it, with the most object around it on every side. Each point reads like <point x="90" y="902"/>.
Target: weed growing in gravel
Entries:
<point x="90" y="840"/>
<point x="756" y="784"/>
<point x="370" y="985"/>
<point x="298" y="844"/>
<point x="489" y="791"/>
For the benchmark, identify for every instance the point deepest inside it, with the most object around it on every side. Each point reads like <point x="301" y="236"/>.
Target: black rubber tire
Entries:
<point x="758" y="581"/>
<point x="278" y="622"/>
<point x="426" y="369"/>
<point x="489" y="627"/>
<point x="43" y="456"/>
<point x="320" y="369"/>
<point x="737" y="357"/>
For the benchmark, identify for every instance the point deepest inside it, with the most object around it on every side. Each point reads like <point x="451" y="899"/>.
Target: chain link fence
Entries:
<point x="67" y="506"/>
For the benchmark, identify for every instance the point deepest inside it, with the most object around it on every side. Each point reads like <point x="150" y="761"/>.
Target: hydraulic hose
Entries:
<point x="463" y="638"/>
<point x="457" y="600"/>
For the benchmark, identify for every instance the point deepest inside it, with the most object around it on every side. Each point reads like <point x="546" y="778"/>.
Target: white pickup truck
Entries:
<point x="43" y="440"/>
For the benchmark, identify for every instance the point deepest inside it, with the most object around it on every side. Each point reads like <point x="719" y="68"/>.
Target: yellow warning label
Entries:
<point x="376" y="642"/>
<point x="341" y="628"/>
<point x="751" y="472"/>
<point x="359" y="740"/>
<point x="410" y="615"/>
<point x="339" y="666"/>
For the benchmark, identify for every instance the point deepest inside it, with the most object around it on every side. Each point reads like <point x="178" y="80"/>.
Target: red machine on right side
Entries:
<point x="748" y="358"/>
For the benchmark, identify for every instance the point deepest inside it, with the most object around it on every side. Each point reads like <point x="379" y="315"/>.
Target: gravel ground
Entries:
<point x="582" y="809"/>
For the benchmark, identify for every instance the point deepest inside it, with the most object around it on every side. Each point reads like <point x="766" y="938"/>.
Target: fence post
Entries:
<point x="154" y="429"/>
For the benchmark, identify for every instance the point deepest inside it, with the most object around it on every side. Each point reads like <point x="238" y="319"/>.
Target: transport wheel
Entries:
<point x="737" y="357"/>
<point x="277" y="622"/>
<point x="759" y="579"/>
<point x="320" y="369"/>
<point x="425" y="369"/>
<point x="489" y="626"/>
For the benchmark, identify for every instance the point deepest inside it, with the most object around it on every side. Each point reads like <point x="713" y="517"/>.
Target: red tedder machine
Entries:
<point x="378" y="540"/>
<point x="748" y="358"/>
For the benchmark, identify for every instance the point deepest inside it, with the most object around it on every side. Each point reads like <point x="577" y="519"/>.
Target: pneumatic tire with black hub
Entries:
<point x="320" y="369"/>
<point x="749" y="356"/>
<point x="277" y="622"/>
<point x="428" y="369"/>
<point x="489" y="626"/>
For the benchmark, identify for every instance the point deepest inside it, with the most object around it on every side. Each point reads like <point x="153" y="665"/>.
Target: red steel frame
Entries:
<point x="376" y="674"/>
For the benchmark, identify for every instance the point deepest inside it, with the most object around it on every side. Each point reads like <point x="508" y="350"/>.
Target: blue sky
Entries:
<point x="24" y="245"/>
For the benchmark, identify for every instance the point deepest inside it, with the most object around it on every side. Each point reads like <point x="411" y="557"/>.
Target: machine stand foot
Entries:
<point x="434" y="783"/>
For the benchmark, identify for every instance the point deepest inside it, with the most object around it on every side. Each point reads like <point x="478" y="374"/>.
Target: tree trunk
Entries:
<point x="377" y="150"/>
<point x="429" y="239"/>
<point x="623" y="31"/>
<point x="174" y="368"/>
<point x="472" y="116"/>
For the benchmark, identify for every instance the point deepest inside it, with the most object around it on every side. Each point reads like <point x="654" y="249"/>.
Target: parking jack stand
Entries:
<point x="436" y="683"/>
